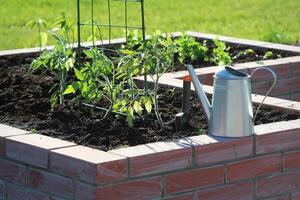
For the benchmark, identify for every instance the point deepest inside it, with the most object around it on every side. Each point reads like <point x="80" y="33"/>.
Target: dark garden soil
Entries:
<point x="24" y="103"/>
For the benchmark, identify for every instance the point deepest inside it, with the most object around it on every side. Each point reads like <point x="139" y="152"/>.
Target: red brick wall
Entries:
<point x="264" y="166"/>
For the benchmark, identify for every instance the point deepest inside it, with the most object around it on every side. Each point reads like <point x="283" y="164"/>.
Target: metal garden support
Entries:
<point x="109" y="25"/>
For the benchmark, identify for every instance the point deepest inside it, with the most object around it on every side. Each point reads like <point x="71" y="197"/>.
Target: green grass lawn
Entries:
<point x="268" y="20"/>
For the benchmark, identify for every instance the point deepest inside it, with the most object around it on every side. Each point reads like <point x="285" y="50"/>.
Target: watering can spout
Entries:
<point x="200" y="92"/>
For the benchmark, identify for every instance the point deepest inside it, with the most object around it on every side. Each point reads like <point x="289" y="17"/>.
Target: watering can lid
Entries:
<point x="229" y="73"/>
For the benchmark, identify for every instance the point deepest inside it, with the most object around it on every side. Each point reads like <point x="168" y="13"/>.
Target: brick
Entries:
<point x="134" y="190"/>
<point x="229" y="192"/>
<point x="7" y="131"/>
<point x="279" y="136"/>
<point x="1" y="147"/>
<point x="296" y="69"/>
<point x="282" y="197"/>
<point x="32" y="149"/>
<point x="13" y="172"/>
<point x="15" y="192"/>
<point x="291" y="160"/>
<point x="296" y="196"/>
<point x="2" y="189"/>
<point x="209" y="149"/>
<point x="292" y="106"/>
<point x="197" y="178"/>
<point x="182" y="197"/>
<point x="283" y="96"/>
<point x="58" y="198"/>
<point x="157" y="157"/>
<point x="260" y="87"/>
<point x="296" y="96"/>
<point x="281" y="69"/>
<point x="254" y="167"/>
<point x="289" y="85"/>
<point x="291" y="60"/>
<point x="89" y="164"/>
<point x="278" y="185"/>
<point x="268" y="101"/>
<point x="84" y="191"/>
<point x="205" y="70"/>
<point x="50" y="183"/>
<point x="207" y="79"/>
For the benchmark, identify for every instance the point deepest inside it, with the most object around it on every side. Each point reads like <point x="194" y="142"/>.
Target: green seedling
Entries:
<point x="244" y="53"/>
<point x="32" y="131"/>
<point x="60" y="60"/>
<point x="201" y="131"/>
<point x="40" y="24"/>
<point x="268" y="55"/>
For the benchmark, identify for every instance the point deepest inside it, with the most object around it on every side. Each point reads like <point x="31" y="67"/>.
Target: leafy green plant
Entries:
<point x="134" y="100"/>
<point x="244" y="53"/>
<point x="96" y="80"/>
<point x="134" y="41"/>
<point x="158" y="58"/>
<point x="152" y="58"/>
<point x="189" y="48"/>
<point x="268" y="55"/>
<point x="65" y="30"/>
<point x="60" y="60"/>
<point x="32" y="131"/>
<point x="201" y="131"/>
<point x="40" y="24"/>
<point x="220" y="53"/>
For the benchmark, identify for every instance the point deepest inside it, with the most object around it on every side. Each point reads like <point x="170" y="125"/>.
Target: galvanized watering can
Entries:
<point x="231" y="112"/>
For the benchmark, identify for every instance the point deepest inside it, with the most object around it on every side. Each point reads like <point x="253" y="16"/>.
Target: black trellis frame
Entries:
<point x="109" y="25"/>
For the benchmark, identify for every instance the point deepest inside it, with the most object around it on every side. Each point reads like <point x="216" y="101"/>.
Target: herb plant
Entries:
<point x="220" y="54"/>
<point x="189" y="48"/>
<point x="134" y="41"/>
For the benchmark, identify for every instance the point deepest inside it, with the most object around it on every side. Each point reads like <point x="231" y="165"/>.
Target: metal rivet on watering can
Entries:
<point x="231" y="112"/>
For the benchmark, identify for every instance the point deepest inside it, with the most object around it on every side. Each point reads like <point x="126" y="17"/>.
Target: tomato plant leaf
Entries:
<point x="137" y="107"/>
<point x="69" y="90"/>
<point x="44" y="39"/>
<point x="148" y="105"/>
<point x="78" y="74"/>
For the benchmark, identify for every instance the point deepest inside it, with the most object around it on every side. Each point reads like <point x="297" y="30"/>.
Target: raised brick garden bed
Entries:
<point x="263" y="166"/>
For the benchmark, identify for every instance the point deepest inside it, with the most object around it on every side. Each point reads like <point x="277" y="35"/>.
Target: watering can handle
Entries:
<point x="271" y="88"/>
